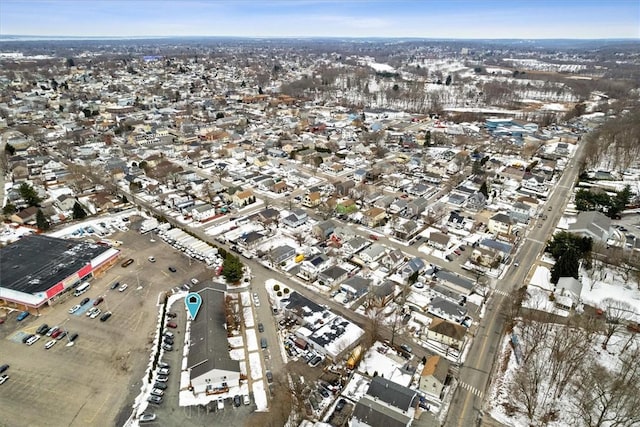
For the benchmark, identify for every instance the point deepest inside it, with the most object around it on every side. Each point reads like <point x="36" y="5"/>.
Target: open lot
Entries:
<point x="88" y="383"/>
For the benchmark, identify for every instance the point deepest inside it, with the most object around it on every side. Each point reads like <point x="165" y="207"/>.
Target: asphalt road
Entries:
<point x="468" y="402"/>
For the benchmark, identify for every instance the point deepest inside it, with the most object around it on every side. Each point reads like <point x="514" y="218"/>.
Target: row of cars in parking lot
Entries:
<point x="160" y="384"/>
<point x="56" y="333"/>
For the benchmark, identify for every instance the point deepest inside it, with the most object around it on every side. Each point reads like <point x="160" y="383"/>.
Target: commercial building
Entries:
<point x="39" y="270"/>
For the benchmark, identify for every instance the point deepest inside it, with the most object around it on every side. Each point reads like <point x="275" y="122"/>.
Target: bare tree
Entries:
<point x="615" y="311"/>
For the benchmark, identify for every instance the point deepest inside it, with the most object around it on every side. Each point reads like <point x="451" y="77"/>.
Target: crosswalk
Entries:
<point x="499" y="292"/>
<point x="471" y="389"/>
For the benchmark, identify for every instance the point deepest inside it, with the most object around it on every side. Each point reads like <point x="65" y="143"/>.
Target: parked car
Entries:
<point x="114" y="285"/>
<point x="246" y="399"/>
<point x="315" y="361"/>
<point x="168" y="340"/>
<point x="340" y="404"/>
<point x="127" y="263"/>
<point x="57" y="333"/>
<point x="123" y="287"/>
<point x="98" y="301"/>
<point x="171" y="315"/>
<point x="27" y="338"/>
<point x="73" y="337"/>
<point x="4" y="378"/>
<point x="147" y="418"/>
<point x="91" y="311"/>
<point x="194" y="281"/>
<point x="84" y="301"/>
<point x="260" y="327"/>
<point x="50" y="344"/>
<point x="172" y="325"/>
<point x="95" y="314"/>
<point x="220" y="404"/>
<point x="62" y="335"/>
<point x="52" y="331"/>
<point x="105" y="316"/>
<point x="157" y="392"/>
<point x="168" y="334"/>
<point x="269" y="377"/>
<point x="172" y="269"/>
<point x="406" y="348"/>
<point x="256" y="299"/>
<point x="162" y="378"/>
<point x="163" y="371"/>
<point x="155" y="399"/>
<point x="3" y="368"/>
<point x="43" y="329"/>
<point x="161" y="386"/>
<point x="236" y="401"/>
<point x="23" y="315"/>
<point x="323" y="392"/>
<point x="167" y="347"/>
<point x="151" y="259"/>
<point x="33" y="339"/>
<point x="75" y="308"/>
<point x="373" y="237"/>
<point x="457" y="252"/>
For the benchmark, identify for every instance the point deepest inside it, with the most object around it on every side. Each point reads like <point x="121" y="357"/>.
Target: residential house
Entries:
<point x="372" y="254"/>
<point x="356" y="286"/>
<point x="397" y="206"/>
<point x="202" y="212"/>
<point x="457" y="283"/>
<point x="447" y="310"/>
<point x="592" y="224"/>
<point x="438" y="240"/>
<point x="416" y="207"/>
<point x="385" y="404"/>
<point x="567" y="292"/>
<point x="243" y="198"/>
<point x="500" y="224"/>
<point x="323" y="229"/>
<point x="103" y="201"/>
<point x="384" y="202"/>
<point x="407" y="230"/>
<point x="281" y="254"/>
<point x="447" y="333"/>
<point x="297" y="218"/>
<point x="373" y="217"/>
<point x="520" y="212"/>
<point x="393" y="259"/>
<point x="311" y="200"/>
<point x="434" y="376"/>
<point x="333" y="274"/>
<point x="381" y="295"/>
<point x="355" y="245"/>
<point x="476" y="202"/>
<point x="413" y="266"/>
<point x="25" y="216"/>
<point x="310" y="268"/>
<point x="418" y="190"/>
<point x="250" y="240"/>
<point x="65" y="202"/>
<point x="343" y="187"/>
<point x="346" y="206"/>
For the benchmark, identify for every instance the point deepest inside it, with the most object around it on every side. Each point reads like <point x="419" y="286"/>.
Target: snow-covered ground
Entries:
<point x="386" y="363"/>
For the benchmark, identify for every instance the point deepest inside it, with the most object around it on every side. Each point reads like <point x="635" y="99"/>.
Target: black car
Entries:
<point x="236" y="401"/>
<point x="73" y="337"/>
<point x="269" y="377"/>
<point x="168" y="340"/>
<point x="172" y="269"/>
<point x="260" y="327"/>
<point x="171" y="314"/>
<point x="340" y="404"/>
<point x="105" y="316"/>
<point x="26" y="338"/>
<point x="43" y="329"/>
<point x="161" y="386"/>
<point x="84" y="301"/>
<point x="3" y="368"/>
<point x="115" y="285"/>
<point x="62" y="335"/>
<point x="323" y="391"/>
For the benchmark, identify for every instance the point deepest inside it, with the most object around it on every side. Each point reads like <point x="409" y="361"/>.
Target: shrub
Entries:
<point x="279" y="293"/>
<point x="276" y="287"/>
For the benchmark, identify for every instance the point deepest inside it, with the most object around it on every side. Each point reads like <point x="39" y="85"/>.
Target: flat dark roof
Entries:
<point x="209" y="346"/>
<point x="35" y="263"/>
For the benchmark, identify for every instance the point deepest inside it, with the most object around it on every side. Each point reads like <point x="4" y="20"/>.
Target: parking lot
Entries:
<point x="94" y="381"/>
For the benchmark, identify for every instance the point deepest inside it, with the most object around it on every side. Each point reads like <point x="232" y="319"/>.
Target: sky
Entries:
<point x="463" y="19"/>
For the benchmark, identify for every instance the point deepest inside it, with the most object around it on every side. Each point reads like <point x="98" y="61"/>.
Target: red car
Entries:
<point x="373" y="237"/>
<point x="98" y="301"/>
<point x="457" y="252"/>
<point x="171" y="325"/>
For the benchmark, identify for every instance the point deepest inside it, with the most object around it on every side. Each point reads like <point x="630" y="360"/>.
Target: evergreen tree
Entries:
<point x="10" y="149"/>
<point x="448" y="81"/>
<point x="29" y="194"/>
<point x="78" y="211"/>
<point x="41" y="221"/>
<point x="232" y="268"/>
<point x="484" y="189"/>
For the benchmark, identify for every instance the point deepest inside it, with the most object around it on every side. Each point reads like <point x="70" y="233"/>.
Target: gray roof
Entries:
<point x="392" y="393"/>
<point x="413" y="265"/>
<point x="495" y="244"/>
<point x="334" y="272"/>
<point x="302" y="305"/>
<point x="448" y="307"/>
<point x="593" y="221"/>
<point x="36" y="263"/>
<point x="570" y="284"/>
<point x="207" y="334"/>
<point x="376" y="414"/>
<point x="447" y="276"/>
<point x="500" y="217"/>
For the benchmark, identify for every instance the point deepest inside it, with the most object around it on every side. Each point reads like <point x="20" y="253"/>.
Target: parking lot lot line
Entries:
<point x="98" y="411"/>
<point x="135" y="326"/>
